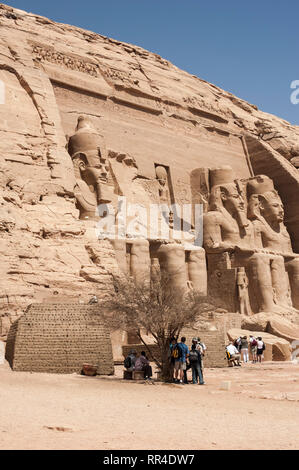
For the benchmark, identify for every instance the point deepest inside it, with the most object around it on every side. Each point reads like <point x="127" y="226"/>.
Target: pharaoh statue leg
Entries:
<point x="173" y="266"/>
<point x="140" y="263"/>
<point x="260" y="281"/>
<point x="292" y="268"/>
<point x="197" y="270"/>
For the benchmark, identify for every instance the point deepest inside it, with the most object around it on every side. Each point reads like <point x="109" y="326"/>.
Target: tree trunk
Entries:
<point x="166" y="369"/>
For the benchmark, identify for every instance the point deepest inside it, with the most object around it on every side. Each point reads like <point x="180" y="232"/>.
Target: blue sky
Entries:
<point x="247" y="48"/>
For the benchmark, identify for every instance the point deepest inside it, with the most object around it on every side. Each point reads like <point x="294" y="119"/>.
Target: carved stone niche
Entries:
<point x="165" y="187"/>
<point x="94" y="184"/>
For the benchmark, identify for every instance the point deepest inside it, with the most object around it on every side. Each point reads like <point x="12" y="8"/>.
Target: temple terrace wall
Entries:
<point x="60" y="338"/>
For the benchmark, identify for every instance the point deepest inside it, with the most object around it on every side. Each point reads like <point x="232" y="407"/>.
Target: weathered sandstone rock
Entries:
<point x="88" y="119"/>
<point x="272" y="323"/>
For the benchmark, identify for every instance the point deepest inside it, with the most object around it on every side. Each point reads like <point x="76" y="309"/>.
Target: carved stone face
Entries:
<point x="161" y="174"/>
<point x="232" y="199"/>
<point x="271" y="207"/>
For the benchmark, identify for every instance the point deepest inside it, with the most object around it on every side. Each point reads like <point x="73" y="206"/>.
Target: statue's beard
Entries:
<point x="239" y="215"/>
<point x="241" y="219"/>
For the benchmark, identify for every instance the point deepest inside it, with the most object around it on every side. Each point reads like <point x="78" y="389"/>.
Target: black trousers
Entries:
<point x="148" y="371"/>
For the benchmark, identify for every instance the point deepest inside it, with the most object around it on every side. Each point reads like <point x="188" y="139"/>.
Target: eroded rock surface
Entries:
<point x="154" y="125"/>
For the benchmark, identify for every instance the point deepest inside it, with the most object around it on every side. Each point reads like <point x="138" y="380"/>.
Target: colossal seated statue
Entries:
<point x="228" y="231"/>
<point x="266" y="211"/>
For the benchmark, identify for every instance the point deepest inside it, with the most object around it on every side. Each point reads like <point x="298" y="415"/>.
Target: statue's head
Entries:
<point x="231" y="198"/>
<point x="264" y="200"/>
<point x="226" y="194"/>
<point x="271" y="207"/>
<point x="91" y="170"/>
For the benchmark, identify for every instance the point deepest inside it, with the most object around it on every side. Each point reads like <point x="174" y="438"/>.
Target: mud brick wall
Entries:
<point x="216" y="340"/>
<point x="228" y="321"/>
<point x="215" y="343"/>
<point x="59" y="338"/>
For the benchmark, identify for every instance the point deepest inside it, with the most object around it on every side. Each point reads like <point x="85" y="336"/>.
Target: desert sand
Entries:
<point x="43" y="411"/>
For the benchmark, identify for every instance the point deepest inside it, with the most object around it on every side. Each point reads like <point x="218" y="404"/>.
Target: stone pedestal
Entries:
<point x="127" y="375"/>
<point x="138" y="375"/>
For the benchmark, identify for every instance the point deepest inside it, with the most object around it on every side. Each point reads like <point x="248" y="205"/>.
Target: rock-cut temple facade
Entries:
<point x="94" y="131"/>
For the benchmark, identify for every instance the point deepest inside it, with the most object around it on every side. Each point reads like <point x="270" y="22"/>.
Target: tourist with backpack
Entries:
<point x="260" y="349"/>
<point x="180" y="353"/>
<point x="237" y="343"/>
<point x="142" y="364"/>
<point x="244" y="349"/>
<point x="195" y="358"/>
<point x="253" y="348"/>
<point x="130" y="360"/>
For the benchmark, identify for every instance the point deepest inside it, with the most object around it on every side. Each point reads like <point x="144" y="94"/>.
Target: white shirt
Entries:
<point x="232" y="349"/>
<point x="260" y="344"/>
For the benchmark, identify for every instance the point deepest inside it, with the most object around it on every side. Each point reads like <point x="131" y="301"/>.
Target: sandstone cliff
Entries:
<point x="142" y="105"/>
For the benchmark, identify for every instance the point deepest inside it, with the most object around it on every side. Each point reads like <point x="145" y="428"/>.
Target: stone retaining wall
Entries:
<point x="59" y="338"/>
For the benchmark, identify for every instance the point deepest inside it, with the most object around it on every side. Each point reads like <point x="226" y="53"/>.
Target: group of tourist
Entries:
<point x="240" y="348"/>
<point x="138" y="364"/>
<point x="182" y="359"/>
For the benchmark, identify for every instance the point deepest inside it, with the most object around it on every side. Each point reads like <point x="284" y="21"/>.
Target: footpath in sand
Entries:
<point x="42" y="411"/>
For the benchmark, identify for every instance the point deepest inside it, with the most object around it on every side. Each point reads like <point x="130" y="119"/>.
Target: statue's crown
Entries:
<point x="85" y="139"/>
<point x="221" y="175"/>
<point x="259" y="185"/>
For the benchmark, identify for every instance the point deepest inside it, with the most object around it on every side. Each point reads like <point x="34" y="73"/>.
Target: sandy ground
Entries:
<point x="42" y="411"/>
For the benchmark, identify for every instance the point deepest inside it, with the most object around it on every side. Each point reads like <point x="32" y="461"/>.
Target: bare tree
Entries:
<point x="156" y="309"/>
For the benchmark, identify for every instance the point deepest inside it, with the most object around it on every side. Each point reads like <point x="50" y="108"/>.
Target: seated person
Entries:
<point x="142" y="363"/>
<point x="233" y="354"/>
<point x="130" y="360"/>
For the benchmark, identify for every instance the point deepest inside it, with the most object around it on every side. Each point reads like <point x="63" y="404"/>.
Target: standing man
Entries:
<point x="253" y="348"/>
<point x="260" y="349"/>
<point x="181" y="361"/>
<point x="195" y="358"/>
<point x="244" y="349"/>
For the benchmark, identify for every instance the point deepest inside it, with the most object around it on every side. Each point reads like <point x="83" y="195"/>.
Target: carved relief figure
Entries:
<point x="162" y="177"/>
<point x="242" y="284"/>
